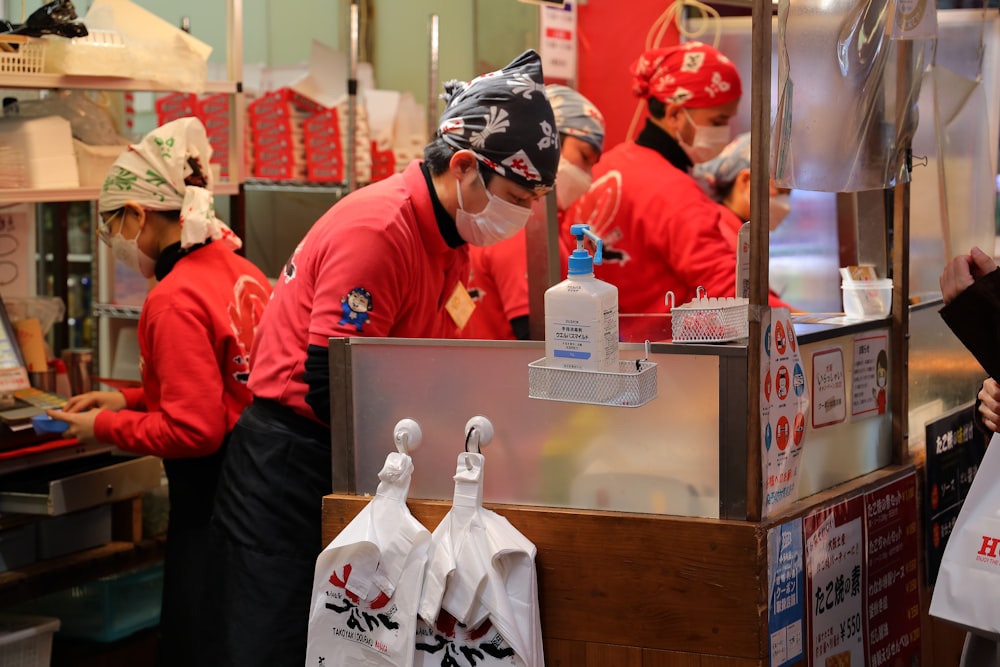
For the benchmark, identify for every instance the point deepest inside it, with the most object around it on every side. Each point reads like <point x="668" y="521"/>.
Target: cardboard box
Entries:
<point x="94" y="162"/>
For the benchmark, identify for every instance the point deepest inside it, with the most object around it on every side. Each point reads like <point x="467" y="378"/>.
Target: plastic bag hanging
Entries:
<point x="367" y="581"/>
<point x="479" y="604"/>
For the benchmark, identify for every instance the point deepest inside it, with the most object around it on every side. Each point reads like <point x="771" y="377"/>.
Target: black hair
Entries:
<point x="197" y="176"/>
<point x="723" y="193"/>
<point x="657" y="109"/>
<point x="437" y="157"/>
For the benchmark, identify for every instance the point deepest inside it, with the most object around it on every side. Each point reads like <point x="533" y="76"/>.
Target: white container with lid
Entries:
<point x="867" y="298"/>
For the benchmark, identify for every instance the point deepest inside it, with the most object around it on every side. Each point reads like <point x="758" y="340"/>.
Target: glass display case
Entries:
<point x="65" y="247"/>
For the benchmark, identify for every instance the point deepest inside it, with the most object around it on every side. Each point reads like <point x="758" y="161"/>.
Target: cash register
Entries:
<point x="19" y="401"/>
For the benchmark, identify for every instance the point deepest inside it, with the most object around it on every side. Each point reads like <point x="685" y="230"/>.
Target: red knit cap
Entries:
<point x="693" y="74"/>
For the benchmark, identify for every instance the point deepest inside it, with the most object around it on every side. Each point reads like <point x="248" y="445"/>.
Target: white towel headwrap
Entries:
<point x="151" y="173"/>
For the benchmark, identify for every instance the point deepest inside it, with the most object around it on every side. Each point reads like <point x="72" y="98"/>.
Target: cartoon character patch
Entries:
<point x="355" y="306"/>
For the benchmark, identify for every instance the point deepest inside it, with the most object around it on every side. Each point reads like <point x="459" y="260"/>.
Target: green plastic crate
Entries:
<point x="106" y="609"/>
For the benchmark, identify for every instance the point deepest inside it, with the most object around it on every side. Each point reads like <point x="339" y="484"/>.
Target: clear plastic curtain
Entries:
<point x="954" y="197"/>
<point x="845" y="112"/>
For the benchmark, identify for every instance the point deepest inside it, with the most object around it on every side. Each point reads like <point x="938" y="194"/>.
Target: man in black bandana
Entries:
<point x="386" y="260"/>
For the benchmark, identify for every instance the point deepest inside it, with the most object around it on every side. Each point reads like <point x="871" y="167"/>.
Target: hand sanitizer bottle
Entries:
<point x="581" y="314"/>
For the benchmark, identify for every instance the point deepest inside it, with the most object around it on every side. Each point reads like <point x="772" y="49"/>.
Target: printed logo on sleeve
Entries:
<point x="355" y="306"/>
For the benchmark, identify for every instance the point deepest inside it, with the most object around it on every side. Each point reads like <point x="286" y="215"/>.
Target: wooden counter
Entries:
<point x="639" y="590"/>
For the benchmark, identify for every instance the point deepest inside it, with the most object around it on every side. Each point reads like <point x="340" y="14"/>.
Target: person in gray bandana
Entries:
<point x="386" y="260"/>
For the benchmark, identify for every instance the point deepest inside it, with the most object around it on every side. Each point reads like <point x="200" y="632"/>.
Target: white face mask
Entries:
<point x="128" y="253"/>
<point x="498" y="221"/>
<point x="709" y="140"/>
<point x="571" y="183"/>
<point x="778" y="208"/>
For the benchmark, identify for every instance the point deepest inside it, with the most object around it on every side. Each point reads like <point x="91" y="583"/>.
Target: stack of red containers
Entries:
<point x="212" y="110"/>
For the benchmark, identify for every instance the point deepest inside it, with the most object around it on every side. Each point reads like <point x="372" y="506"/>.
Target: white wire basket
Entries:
<point x="21" y="55"/>
<point x="632" y="386"/>
<point x="709" y="320"/>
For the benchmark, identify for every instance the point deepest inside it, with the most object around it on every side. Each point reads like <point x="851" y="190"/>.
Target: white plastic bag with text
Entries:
<point x="967" y="590"/>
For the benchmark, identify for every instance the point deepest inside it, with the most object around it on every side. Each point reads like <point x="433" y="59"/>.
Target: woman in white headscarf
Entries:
<point x="195" y="333"/>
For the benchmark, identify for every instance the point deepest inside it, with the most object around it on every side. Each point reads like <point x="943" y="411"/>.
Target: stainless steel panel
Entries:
<point x="76" y="485"/>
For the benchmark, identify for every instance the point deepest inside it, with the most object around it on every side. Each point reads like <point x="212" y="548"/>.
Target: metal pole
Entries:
<point x="432" y="80"/>
<point x="900" y="251"/>
<point x="350" y="152"/>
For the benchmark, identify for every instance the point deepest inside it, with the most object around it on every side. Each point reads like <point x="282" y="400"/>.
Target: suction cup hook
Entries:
<point x="478" y="434"/>
<point x="407" y="435"/>
<point x="668" y="300"/>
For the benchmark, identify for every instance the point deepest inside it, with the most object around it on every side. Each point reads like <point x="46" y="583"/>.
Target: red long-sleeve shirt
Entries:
<point x="195" y="334"/>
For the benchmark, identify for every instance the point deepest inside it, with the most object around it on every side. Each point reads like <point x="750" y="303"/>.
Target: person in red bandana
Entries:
<point x="660" y="230"/>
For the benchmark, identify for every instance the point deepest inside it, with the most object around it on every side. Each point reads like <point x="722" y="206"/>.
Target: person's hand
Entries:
<point x="104" y="400"/>
<point x="81" y="424"/>
<point x="962" y="271"/>
<point x="989" y="405"/>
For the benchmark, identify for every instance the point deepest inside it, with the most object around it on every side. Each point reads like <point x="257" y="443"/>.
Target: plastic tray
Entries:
<point x="632" y="386"/>
<point x="21" y="55"/>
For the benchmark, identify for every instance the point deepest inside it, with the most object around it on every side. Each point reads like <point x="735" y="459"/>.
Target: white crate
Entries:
<point x="21" y="55"/>
<point x="26" y="641"/>
<point x="709" y="320"/>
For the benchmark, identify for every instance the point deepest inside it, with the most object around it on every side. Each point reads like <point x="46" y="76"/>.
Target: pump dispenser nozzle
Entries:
<point x="580" y="261"/>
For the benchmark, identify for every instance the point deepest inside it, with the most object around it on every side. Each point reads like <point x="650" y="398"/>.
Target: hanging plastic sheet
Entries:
<point x="479" y="604"/>
<point x="846" y="111"/>
<point x="954" y="198"/>
<point x="367" y="582"/>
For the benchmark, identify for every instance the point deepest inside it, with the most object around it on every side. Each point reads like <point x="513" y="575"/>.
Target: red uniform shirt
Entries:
<point x="195" y="335"/>
<point x="660" y="231"/>
<point x="498" y="283"/>
<point x="375" y="264"/>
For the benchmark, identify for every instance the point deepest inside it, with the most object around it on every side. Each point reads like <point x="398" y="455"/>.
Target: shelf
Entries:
<point x="73" y="258"/>
<point x="55" y="574"/>
<point x="39" y="455"/>
<point x="113" y="310"/>
<point x="32" y="196"/>
<point x="103" y="83"/>
<point x="263" y="185"/>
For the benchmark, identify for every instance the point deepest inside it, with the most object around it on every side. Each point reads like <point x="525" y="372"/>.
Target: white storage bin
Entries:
<point x="94" y="162"/>
<point x="26" y="641"/>
<point x="46" y="144"/>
